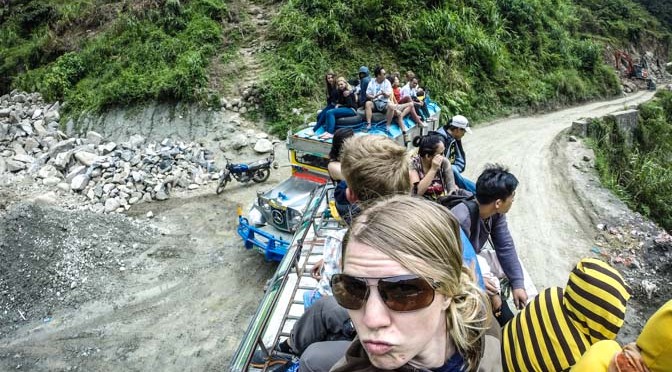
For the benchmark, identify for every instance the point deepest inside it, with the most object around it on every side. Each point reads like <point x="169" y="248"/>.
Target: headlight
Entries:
<point x="294" y="217"/>
<point x="263" y="204"/>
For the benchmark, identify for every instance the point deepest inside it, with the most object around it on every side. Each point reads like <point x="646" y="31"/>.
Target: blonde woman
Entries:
<point x="344" y="106"/>
<point x="414" y="305"/>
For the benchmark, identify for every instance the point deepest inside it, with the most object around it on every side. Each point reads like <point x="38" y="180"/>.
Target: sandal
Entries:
<point x="368" y="127"/>
<point x="405" y="134"/>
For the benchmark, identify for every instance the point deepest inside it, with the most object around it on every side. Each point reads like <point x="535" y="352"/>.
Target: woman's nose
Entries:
<point x="376" y="313"/>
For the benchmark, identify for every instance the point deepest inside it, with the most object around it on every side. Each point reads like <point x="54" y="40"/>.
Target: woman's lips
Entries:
<point x="377" y="347"/>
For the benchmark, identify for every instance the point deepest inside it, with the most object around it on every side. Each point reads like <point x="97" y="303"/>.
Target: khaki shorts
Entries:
<point x="380" y="106"/>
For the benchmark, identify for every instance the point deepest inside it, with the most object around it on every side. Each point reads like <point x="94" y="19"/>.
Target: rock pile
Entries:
<point x="248" y="102"/>
<point x="113" y="176"/>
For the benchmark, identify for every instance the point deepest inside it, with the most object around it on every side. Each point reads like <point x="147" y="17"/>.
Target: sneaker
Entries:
<point x="260" y="360"/>
<point x="310" y="132"/>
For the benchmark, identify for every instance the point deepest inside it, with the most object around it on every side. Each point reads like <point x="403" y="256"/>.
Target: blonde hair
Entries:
<point x="375" y="166"/>
<point x="424" y="238"/>
<point x="342" y="79"/>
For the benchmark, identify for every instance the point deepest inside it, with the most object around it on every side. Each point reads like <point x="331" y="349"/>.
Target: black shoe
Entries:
<point x="261" y="360"/>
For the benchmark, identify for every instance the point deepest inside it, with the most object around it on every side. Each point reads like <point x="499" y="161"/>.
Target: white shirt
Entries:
<point x="407" y="91"/>
<point x="375" y="88"/>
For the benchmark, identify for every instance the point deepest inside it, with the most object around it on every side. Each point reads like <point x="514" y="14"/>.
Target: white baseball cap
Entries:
<point x="460" y="121"/>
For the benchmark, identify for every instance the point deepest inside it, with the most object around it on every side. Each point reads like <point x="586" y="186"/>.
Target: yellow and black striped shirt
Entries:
<point x="559" y="326"/>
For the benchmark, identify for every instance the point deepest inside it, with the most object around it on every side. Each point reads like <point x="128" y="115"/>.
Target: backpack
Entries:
<point x="469" y="199"/>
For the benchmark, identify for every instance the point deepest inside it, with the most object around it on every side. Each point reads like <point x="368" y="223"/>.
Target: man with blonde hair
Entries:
<point x="374" y="166"/>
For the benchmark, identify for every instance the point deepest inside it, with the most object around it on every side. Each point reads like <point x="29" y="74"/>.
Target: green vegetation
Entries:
<point x="481" y="58"/>
<point x="121" y="52"/>
<point x="642" y="174"/>
<point x="659" y="9"/>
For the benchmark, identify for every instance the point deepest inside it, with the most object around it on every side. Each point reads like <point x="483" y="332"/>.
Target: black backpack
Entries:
<point x="469" y="199"/>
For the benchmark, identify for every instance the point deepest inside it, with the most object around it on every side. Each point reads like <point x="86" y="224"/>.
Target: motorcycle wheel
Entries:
<point x="221" y="185"/>
<point x="261" y="175"/>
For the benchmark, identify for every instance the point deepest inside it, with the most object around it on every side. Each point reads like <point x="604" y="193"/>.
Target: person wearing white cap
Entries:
<point x="452" y="135"/>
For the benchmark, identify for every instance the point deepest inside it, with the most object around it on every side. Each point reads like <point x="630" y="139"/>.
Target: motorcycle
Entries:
<point x="257" y="171"/>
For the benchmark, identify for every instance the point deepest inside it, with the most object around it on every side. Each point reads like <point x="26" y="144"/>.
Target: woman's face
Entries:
<point x="341" y="85"/>
<point x="438" y="150"/>
<point x="330" y="79"/>
<point x="396" y="82"/>
<point x="392" y="339"/>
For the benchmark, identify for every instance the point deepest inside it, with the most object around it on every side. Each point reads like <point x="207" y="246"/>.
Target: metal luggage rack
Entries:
<point x="282" y="303"/>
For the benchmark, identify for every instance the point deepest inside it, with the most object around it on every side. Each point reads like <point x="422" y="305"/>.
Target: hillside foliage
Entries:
<point x="641" y="174"/>
<point x="659" y="9"/>
<point x="98" y="53"/>
<point x="481" y="58"/>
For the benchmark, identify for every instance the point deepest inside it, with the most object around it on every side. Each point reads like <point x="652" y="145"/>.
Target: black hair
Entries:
<point x="340" y="136"/>
<point x="496" y="182"/>
<point x="377" y="70"/>
<point x="427" y="144"/>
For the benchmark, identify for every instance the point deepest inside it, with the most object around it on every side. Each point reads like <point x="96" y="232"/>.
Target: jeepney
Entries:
<point x="282" y="207"/>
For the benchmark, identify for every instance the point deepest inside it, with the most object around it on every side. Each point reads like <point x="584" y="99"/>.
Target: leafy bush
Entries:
<point x="152" y="50"/>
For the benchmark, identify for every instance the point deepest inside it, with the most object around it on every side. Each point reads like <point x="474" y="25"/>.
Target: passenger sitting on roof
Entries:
<point x="431" y="173"/>
<point x="378" y="95"/>
<point x="364" y="80"/>
<point x="559" y="325"/>
<point x="396" y="109"/>
<point x="371" y="165"/>
<point x="344" y="107"/>
<point x="413" y="304"/>
<point x="421" y="108"/>
<point x="408" y="94"/>
<point x="495" y="193"/>
<point x="452" y="134"/>
<point x="329" y="264"/>
<point x="335" y="174"/>
<point x="331" y="93"/>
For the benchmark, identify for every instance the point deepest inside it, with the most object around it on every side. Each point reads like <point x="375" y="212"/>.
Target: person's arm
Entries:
<point x="371" y="91"/>
<point x="460" y="161"/>
<point x="425" y="182"/>
<point x="405" y="91"/>
<point x="350" y="102"/>
<point x="508" y="258"/>
<point x="386" y="89"/>
<point x="334" y="169"/>
<point x="448" y="177"/>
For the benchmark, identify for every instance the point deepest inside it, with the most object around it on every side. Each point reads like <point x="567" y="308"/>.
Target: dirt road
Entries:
<point x="186" y="296"/>
<point x="551" y="229"/>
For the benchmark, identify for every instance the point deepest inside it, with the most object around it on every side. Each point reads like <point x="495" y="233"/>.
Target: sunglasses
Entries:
<point x="399" y="293"/>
